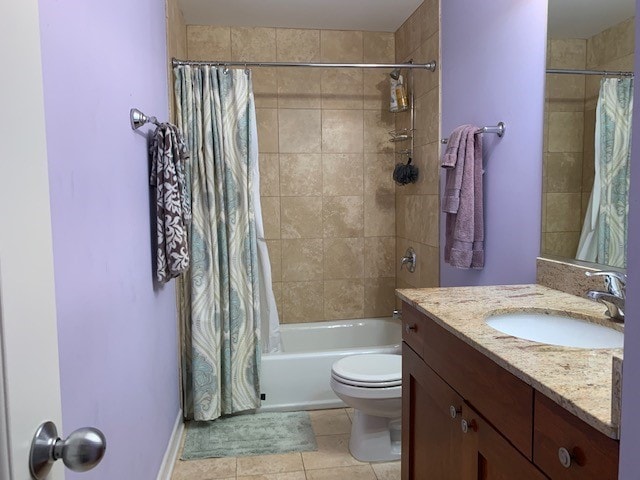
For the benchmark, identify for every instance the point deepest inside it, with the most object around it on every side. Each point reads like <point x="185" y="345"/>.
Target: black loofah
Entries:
<point x="404" y="174"/>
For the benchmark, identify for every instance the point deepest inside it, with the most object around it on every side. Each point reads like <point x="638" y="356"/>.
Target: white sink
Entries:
<point x="556" y="330"/>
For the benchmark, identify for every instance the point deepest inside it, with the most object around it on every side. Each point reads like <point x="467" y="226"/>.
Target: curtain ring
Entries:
<point x="225" y="69"/>
<point x="246" y="69"/>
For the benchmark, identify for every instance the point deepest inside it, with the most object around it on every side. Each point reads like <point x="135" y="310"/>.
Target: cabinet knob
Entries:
<point x="565" y="457"/>
<point x="410" y="327"/>
<point x="454" y="412"/>
<point x="468" y="425"/>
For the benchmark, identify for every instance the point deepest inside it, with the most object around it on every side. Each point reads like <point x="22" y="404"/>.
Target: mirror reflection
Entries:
<point x="587" y="131"/>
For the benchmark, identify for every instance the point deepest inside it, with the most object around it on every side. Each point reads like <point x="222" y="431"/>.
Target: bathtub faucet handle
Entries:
<point x="409" y="259"/>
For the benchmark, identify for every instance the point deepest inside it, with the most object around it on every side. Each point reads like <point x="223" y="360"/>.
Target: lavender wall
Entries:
<point x="117" y="335"/>
<point x="629" y="459"/>
<point x="493" y="63"/>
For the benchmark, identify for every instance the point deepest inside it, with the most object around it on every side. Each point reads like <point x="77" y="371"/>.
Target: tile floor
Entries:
<point x="332" y="460"/>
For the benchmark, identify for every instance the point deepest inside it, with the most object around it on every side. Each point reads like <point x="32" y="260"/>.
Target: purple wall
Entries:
<point x="493" y="63"/>
<point x="117" y="335"/>
<point x="629" y="459"/>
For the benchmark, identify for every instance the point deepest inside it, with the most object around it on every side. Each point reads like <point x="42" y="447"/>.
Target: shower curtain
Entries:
<point x="226" y="303"/>
<point x="604" y="232"/>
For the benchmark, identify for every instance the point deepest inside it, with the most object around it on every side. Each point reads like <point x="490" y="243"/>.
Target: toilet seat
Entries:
<point x="369" y="370"/>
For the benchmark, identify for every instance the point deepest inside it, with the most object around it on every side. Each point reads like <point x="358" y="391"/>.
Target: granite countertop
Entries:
<point x="580" y="380"/>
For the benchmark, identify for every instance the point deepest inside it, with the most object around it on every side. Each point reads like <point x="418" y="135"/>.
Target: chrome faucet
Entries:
<point x="614" y="297"/>
<point x="409" y="259"/>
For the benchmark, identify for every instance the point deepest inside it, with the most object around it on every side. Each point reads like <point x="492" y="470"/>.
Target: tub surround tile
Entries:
<point x="343" y="258"/>
<point x="271" y="217"/>
<point x="342" y="216"/>
<point x="342" y="131"/>
<point x="253" y="44"/>
<point x="375" y="89"/>
<point x="207" y="42"/>
<point x="379" y="47"/>
<point x="299" y="88"/>
<point x="274" y="248"/>
<point x="342" y="89"/>
<point x="338" y="46"/>
<point x="342" y="174"/>
<point x="579" y="380"/>
<point x="300" y="217"/>
<point x="378" y="297"/>
<point x="299" y="130"/>
<point x="265" y="87"/>
<point x="267" y="123"/>
<point x="269" y="164"/>
<point x="300" y="174"/>
<point x="303" y="260"/>
<point x="302" y="302"/>
<point x="297" y="45"/>
<point x="379" y="215"/>
<point x="377" y="124"/>
<point x="343" y="299"/>
<point x="379" y="257"/>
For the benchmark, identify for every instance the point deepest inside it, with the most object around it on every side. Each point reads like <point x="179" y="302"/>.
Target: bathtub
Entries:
<point x="298" y="377"/>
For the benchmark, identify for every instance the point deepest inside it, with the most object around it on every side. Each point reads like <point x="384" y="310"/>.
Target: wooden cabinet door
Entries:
<point x="431" y="438"/>
<point x="489" y="456"/>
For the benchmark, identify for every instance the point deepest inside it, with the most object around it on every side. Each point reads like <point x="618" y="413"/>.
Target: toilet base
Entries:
<point x="375" y="439"/>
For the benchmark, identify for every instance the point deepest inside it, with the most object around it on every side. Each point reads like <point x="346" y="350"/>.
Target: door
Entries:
<point x="28" y="330"/>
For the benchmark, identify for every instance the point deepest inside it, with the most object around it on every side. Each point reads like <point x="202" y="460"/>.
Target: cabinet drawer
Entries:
<point x="593" y="454"/>
<point x="504" y="400"/>
<point x="413" y="328"/>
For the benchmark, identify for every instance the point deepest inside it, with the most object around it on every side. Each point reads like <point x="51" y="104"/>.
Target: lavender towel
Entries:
<point x="173" y="212"/>
<point x="463" y="201"/>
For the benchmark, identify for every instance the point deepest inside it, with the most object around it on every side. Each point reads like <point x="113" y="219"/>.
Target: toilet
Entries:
<point x="372" y="385"/>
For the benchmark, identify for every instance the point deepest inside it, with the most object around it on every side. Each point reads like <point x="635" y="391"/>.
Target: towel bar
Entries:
<point x="498" y="129"/>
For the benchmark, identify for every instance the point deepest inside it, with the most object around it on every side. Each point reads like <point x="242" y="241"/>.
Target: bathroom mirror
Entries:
<point x="578" y="143"/>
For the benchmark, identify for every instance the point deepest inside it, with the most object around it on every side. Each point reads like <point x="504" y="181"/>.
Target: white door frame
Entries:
<point x="29" y="336"/>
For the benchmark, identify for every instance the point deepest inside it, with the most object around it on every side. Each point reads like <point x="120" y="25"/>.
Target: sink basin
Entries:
<point x="556" y="330"/>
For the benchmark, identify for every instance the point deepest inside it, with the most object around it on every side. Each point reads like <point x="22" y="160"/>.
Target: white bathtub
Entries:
<point x="298" y="377"/>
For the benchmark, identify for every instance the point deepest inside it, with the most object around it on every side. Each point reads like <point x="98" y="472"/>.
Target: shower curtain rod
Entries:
<point x="590" y="72"/>
<point x="431" y="66"/>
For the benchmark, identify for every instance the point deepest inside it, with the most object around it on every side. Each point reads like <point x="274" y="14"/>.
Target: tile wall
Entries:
<point x="569" y="130"/>
<point x="176" y="43"/>
<point x="328" y="197"/>
<point x="417" y="205"/>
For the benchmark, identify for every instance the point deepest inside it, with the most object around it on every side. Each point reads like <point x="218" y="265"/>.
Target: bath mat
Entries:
<point x="251" y="434"/>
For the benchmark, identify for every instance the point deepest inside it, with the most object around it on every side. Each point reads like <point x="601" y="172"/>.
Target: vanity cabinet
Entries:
<point x="466" y="418"/>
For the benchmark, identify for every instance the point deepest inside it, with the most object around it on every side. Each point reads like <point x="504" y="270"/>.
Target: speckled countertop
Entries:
<point x="580" y="380"/>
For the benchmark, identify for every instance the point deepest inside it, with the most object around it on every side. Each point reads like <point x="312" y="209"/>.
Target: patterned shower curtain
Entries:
<point x="220" y="296"/>
<point x="604" y="232"/>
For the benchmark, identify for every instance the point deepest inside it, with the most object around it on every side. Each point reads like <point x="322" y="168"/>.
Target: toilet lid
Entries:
<point x="370" y="370"/>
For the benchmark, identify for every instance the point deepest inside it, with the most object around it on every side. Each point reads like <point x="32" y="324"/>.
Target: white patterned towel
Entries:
<point x="173" y="212"/>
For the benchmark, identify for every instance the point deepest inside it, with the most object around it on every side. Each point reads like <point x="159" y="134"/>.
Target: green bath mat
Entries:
<point x="252" y="434"/>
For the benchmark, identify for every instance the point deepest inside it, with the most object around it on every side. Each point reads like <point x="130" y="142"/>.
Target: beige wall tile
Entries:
<point x="414" y="30"/>
<point x="297" y="45"/>
<point x="564" y="244"/>
<point x="427" y="159"/>
<point x="401" y="44"/>
<point x="342" y="88"/>
<point x="401" y="207"/>
<point x="360" y="472"/>
<point x="379" y="297"/>
<point x="425" y="80"/>
<point x="567" y="53"/>
<point x="342" y="174"/>
<point x="376" y="89"/>
<point x="300" y="174"/>
<point x="378" y="174"/>
<point x="427" y="118"/>
<point x="300" y="217"/>
<point x="208" y="43"/>
<point x="379" y="47"/>
<point x="269" y="174"/>
<point x="299" y="131"/>
<point x="274" y="247"/>
<point x="302" y="302"/>
<point x="265" y="87"/>
<point x="253" y="44"/>
<point x="342" y="131"/>
<point x="261" y="464"/>
<point x="563" y="212"/>
<point x="342" y="217"/>
<point x="431" y="18"/>
<point x="343" y="258"/>
<point x="430" y="220"/>
<point x="566" y="90"/>
<point x="267" y="122"/>
<point x="428" y="258"/>
<point x="342" y="299"/>
<point x="379" y="257"/>
<point x="377" y="124"/>
<point x="271" y="217"/>
<point x="379" y="216"/>
<point x="563" y="172"/>
<point x="299" y="88"/>
<point x="303" y="260"/>
<point x="341" y="46"/>
<point x="566" y="130"/>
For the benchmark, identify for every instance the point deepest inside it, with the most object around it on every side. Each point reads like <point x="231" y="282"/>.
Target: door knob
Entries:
<point x="81" y="451"/>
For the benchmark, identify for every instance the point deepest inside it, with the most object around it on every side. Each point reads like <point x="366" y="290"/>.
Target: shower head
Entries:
<point x="395" y="73"/>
